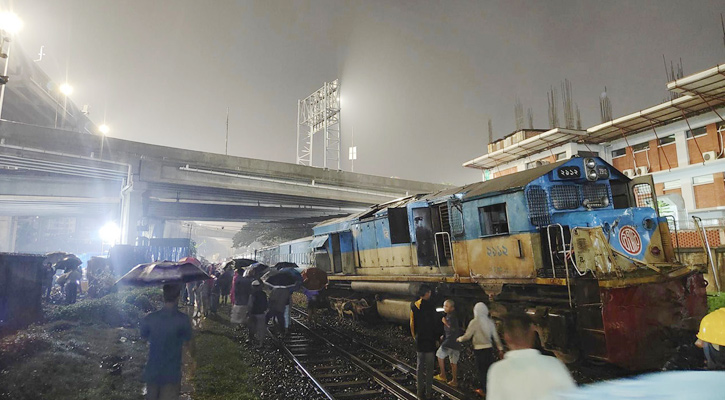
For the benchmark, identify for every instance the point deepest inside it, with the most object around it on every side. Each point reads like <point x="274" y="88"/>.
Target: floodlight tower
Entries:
<point x="320" y="111"/>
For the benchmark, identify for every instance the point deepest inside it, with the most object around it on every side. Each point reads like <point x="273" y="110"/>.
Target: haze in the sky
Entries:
<point x="419" y="79"/>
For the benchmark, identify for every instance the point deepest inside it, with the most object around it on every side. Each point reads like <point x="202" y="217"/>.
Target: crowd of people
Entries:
<point x="497" y="380"/>
<point x="522" y="372"/>
<point x="252" y="307"/>
<point x="63" y="274"/>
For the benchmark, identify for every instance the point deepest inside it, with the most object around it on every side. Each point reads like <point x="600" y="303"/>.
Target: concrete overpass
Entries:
<point x="50" y="171"/>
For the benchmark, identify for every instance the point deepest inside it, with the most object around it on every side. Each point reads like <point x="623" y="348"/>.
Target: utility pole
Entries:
<point x="226" y="143"/>
<point x="353" y="151"/>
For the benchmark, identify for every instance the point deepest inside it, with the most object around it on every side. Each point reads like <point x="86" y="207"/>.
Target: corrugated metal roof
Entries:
<point x="533" y="145"/>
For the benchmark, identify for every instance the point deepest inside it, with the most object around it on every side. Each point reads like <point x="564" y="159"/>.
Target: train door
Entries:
<point x="348" y="252"/>
<point x="336" y="254"/>
<point x="641" y="192"/>
<point x="424" y="238"/>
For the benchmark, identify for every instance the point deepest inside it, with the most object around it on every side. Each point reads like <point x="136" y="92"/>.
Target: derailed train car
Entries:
<point x="576" y="244"/>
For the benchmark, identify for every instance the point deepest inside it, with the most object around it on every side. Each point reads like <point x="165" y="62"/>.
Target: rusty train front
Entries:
<point x="576" y="244"/>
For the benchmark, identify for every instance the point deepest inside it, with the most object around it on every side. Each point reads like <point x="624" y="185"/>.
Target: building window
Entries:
<point x="619" y="152"/>
<point x="640" y="147"/>
<point x="697" y="132"/>
<point x="670" y="185"/>
<point x="560" y="156"/>
<point x="493" y="219"/>
<point x="702" y="180"/>
<point x="667" y="140"/>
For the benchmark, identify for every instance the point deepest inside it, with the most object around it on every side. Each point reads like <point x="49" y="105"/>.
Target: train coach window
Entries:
<point x="493" y="219"/>
<point x="399" y="229"/>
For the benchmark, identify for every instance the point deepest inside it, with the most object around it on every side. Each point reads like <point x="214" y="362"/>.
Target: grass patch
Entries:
<point x="715" y="302"/>
<point x="222" y="370"/>
<point x="89" y="350"/>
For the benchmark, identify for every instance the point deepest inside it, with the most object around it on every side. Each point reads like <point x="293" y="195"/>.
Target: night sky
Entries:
<point x="419" y="78"/>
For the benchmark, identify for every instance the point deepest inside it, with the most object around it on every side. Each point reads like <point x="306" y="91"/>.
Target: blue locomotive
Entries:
<point x="575" y="243"/>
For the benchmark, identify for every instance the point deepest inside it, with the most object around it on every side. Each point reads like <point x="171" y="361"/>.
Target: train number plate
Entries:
<point x="569" y="173"/>
<point x="630" y="240"/>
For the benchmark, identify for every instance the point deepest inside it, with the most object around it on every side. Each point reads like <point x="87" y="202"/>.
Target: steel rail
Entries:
<point x="394" y="387"/>
<point x="402" y="366"/>
<point x="320" y="387"/>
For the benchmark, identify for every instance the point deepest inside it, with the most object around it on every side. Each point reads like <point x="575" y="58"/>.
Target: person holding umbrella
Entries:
<point x="166" y="331"/>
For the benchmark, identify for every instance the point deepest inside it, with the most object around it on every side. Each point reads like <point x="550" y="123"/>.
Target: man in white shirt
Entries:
<point x="524" y="373"/>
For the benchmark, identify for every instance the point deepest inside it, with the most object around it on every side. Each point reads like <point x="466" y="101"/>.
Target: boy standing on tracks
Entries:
<point x="449" y="347"/>
<point x="424" y="329"/>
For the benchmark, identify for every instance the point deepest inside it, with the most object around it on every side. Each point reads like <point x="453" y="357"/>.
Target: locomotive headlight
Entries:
<point x="592" y="175"/>
<point x="590" y="163"/>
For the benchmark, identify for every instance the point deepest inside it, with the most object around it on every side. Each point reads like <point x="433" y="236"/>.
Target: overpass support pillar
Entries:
<point x="8" y="229"/>
<point x="133" y="212"/>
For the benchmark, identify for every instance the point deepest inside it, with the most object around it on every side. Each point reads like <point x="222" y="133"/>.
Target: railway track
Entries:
<point x="342" y="367"/>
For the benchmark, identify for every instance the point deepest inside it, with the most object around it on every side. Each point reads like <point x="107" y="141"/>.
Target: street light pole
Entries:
<point x="9" y="25"/>
<point x="5" y="73"/>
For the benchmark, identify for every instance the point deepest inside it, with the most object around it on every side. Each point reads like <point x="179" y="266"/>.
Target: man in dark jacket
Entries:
<point x="257" y="311"/>
<point x="278" y="300"/>
<point x="242" y="291"/>
<point x="225" y="283"/>
<point x="425" y="331"/>
<point x="166" y="331"/>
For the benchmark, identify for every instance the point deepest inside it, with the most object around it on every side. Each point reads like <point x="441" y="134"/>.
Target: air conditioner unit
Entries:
<point x="629" y="173"/>
<point x="642" y="170"/>
<point x="709" y="156"/>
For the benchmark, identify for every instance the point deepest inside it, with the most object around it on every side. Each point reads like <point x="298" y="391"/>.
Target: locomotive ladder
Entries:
<point x="563" y="252"/>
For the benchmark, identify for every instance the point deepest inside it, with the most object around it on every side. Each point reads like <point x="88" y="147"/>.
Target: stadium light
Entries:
<point x="10" y="22"/>
<point x="66" y="89"/>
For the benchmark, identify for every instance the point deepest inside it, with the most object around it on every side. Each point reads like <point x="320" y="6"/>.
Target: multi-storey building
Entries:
<point x="680" y="143"/>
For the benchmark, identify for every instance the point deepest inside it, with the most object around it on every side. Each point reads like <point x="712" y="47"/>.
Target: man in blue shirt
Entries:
<point x="166" y="331"/>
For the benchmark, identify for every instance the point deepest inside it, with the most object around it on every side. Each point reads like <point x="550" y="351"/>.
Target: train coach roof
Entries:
<point x="508" y="182"/>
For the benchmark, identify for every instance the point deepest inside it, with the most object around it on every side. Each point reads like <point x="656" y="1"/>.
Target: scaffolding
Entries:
<point x="320" y="112"/>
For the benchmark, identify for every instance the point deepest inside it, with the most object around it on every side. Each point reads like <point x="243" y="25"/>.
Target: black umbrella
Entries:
<point x="243" y="262"/>
<point x="284" y="264"/>
<point x="68" y="263"/>
<point x="287" y="278"/>
<point x="163" y="272"/>
<point x="54" y="257"/>
<point x="256" y="270"/>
